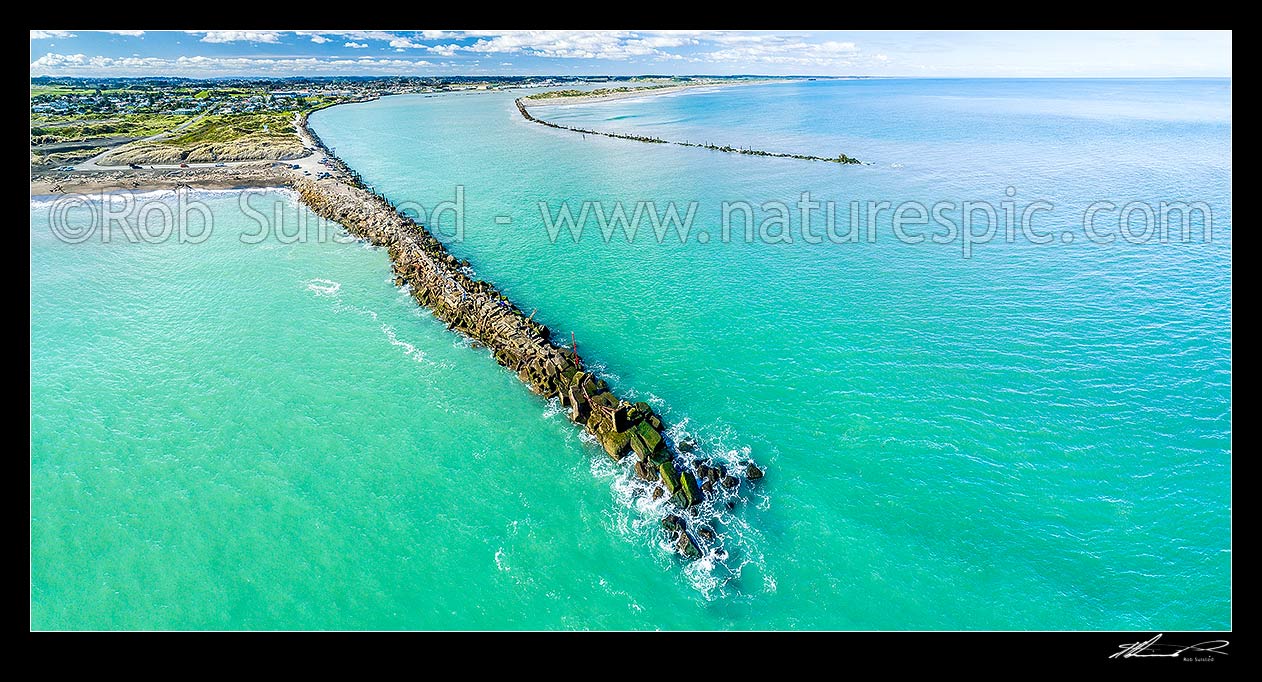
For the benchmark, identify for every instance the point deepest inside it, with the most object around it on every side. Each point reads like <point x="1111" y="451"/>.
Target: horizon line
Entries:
<point x="613" y="76"/>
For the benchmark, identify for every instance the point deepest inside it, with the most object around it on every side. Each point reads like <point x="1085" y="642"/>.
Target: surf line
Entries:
<point x="840" y="158"/>
<point x="476" y="309"/>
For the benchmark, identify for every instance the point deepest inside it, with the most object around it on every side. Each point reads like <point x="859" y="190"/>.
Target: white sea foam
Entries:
<point x="323" y="287"/>
<point x="327" y="288"/>
<point x="408" y="349"/>
<point x="554" y="409"/>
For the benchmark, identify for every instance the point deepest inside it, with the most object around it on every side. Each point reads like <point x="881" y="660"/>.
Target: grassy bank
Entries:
<point x="218" y="137"/>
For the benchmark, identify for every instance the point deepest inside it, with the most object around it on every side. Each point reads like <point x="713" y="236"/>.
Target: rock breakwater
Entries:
<point x="447" y="285"/>
<point x="840" y="158"/>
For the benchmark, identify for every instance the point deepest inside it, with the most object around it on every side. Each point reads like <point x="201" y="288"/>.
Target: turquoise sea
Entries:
<point x="230" y="433"/>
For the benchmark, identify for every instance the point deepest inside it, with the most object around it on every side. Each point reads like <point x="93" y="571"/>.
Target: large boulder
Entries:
<point x="616" y="444"/>
<point x="637" y="444"/>
<point x="646" y="441"/>
<point x="688" y="547"/>
<point x="669" y="478"/>
<point x="690" y="489"/>
<point x="752" y="472"/>
<point x="605" y="399"/>
<point x="674" y="524"/>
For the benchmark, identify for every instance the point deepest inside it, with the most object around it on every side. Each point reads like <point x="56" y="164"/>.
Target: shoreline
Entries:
<point x="650" y="91"/>
<point x="99" y="182"/>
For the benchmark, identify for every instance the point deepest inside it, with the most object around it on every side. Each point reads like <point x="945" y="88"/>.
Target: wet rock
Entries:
<point x="707" y="487"/>
<point x="646" y="471"/>
<point x="688" y="547"/>
<point x="669" y="478"/>
<point x="646" y="441"/>
<point x="688" y="484"/>
<point x="605" y="399"/>
<point x="730" y="482"/>
<point x="705" y="533"/>
<point x="616" y="444"/>
<point x="752" y="472"/>
<point x="674" y="523"/>
<point x="703" y="471"/>
<point x="657" y="493"/>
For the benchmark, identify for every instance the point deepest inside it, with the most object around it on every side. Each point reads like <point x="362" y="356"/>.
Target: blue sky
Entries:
<point x="442" y="52"/>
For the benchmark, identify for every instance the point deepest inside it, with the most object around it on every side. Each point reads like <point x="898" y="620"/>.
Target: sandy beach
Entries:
<point x="264" y="174"/>
<point x="647" y="91"/>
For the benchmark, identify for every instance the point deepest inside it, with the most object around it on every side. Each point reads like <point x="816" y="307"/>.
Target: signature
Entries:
<point x="1153" y="649"/>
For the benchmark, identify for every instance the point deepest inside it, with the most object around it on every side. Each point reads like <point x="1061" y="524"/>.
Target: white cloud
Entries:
<point x="133" y="34"/>
<point x="793" y="52"/>
<point x="737" y="37"/>
<point x="402" y="43"/>
<point x="50" y="35"/>
<point x="318" y="39"/>
<point x="362" y="35"/>
<point x="239" y="36"/>
<point x="357" y="46"/>
<point x="79" y="64"/>
<point x="616" y="45"/>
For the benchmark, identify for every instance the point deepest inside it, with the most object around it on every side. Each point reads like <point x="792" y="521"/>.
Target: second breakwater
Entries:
<point x="840" y="158"/>
<point x="694" y="489"/>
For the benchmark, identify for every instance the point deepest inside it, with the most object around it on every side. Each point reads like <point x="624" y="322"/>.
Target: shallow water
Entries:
<point x="234" y="435"/>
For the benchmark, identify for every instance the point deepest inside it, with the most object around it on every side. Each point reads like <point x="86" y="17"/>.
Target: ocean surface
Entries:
<point x="230" y="432"/>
